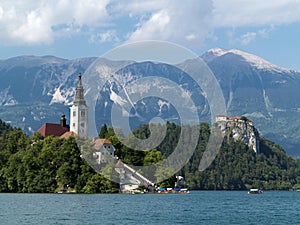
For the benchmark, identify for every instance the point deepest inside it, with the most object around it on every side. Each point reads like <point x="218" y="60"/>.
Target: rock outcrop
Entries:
<point x="239" y="128"/>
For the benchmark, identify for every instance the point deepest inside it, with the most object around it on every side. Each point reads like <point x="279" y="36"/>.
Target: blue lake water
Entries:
<point x="198" y="207"/>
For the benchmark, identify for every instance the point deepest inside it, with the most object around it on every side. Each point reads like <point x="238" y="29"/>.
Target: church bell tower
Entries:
<point x="79" y="112"/>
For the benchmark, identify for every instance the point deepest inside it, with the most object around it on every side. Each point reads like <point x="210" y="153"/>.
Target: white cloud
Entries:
<point x="41" y="21"/>
<point x="191" y="22"/>
<point x="35" y="22"/>
<point x="248" y="37"/>
<point x="35" y="29"/>
<point x="236" y="13"/>
<point x="184" y="22"/>
<point x="107" y="36"/>
<point x="154" y="28"/>
<point x="265" y="32"/>
<point x="1" y="12"/>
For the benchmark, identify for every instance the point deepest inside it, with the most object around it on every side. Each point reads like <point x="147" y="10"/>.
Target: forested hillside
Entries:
<point x="236" y="166"/>
<point x="37" y="164"/>
<point x="4" y="127"/>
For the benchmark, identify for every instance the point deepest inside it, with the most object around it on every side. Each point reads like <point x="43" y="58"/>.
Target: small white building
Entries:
<point x="104" y="150"/>
<point x="130" y="179"/>
<point x="221" y="118"/>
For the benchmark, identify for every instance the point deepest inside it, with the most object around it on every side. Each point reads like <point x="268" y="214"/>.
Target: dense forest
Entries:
<point x="236" y="167"/>
<point x="44" y="165"/>
<point x="37" y="164"/>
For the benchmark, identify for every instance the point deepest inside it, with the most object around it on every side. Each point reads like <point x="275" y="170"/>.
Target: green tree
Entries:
<point x="103" y="131"/>
<point x="152" y="157"/>
<point x="98" y="184"/>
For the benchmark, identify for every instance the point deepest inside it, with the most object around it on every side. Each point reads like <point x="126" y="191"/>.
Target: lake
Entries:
<point x="198" y="207"/>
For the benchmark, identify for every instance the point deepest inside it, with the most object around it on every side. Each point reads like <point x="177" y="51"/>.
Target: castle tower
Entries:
<point x="79" y="112"/>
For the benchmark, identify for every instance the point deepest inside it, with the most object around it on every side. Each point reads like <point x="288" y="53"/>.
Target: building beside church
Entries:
<point x="52" y="129"/>
<point x="104" y="150"/>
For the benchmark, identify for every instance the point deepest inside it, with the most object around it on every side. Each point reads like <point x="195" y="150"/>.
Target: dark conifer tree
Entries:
<point x="103" y="131"/>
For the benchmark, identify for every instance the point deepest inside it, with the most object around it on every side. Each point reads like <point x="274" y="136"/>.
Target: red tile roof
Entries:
<point x="221" y="115"/>
<point x="51" y="129"/>
<point x="234" y="118"/>
<point x="68" y="134"/>
<point x="101" y="141"/>
<point x="105" y="141"/>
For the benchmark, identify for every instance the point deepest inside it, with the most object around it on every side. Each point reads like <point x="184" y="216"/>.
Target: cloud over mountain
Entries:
<point x="188" y="23"/>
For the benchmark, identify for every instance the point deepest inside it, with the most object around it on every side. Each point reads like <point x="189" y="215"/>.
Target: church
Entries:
<point x="79" y="126"/>
<point x="130" y="179"/>
<point x="78" y="118"/>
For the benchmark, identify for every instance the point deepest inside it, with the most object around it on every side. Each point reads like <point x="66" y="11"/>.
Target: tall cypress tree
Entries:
<point x="103" y="131"/>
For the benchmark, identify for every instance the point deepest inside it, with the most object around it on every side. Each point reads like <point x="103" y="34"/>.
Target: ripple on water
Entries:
<point x="199" y="207"/>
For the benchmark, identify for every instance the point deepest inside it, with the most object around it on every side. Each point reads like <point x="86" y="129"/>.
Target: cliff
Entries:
<point x="239" y="128"/>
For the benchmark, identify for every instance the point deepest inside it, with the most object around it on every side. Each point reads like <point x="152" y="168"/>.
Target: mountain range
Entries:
<point x="35" y="90"/>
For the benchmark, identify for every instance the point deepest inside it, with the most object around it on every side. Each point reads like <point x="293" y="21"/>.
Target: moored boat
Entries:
<point x="176" y="190"/>
<point x="255" y="191"/>
<point x="182" y="191"/>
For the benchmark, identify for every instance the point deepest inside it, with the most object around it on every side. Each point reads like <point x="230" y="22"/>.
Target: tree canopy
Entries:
<point x="37" y="164"/>
<point x="236" y="166"/>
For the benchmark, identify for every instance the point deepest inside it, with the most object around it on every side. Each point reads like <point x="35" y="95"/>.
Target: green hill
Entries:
<point x="34" y="164"/>
<point x="4" y="127"/>
<point x="236" y="166"/>
<point x="37" y="164"/>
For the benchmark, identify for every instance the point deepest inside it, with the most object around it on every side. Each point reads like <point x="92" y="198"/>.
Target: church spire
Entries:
<point x="79" y="112"/>
<point x="79" y="97"/>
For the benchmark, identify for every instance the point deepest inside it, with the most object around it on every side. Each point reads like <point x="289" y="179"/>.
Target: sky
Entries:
<point x="83" y="28"/>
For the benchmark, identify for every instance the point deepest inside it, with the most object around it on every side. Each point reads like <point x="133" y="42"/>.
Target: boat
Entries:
<point x="183" y="191"/>
<point x="255" y="191"/>
<point x="176" y="190"/>
<point x="161" y="190"/>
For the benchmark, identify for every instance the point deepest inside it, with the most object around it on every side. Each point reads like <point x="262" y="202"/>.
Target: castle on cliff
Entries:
<point x="240" y="128"/>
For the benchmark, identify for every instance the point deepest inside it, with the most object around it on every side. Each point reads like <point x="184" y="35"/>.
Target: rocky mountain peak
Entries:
<point x="253" y="60"/>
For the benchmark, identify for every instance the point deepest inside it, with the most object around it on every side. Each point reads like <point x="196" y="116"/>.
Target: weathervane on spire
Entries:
<point x="79" y="96"/>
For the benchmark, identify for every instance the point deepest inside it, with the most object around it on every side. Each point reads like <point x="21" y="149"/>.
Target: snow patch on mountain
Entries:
<point x="57" y="97"/>
<point x="64" y="96"/>
<point x="162" y="104"/>
<point x="7" y="99"/>
<point x="11" y="101"/>
<point x="254" y="60"/>
<point x="116" y="98"/>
